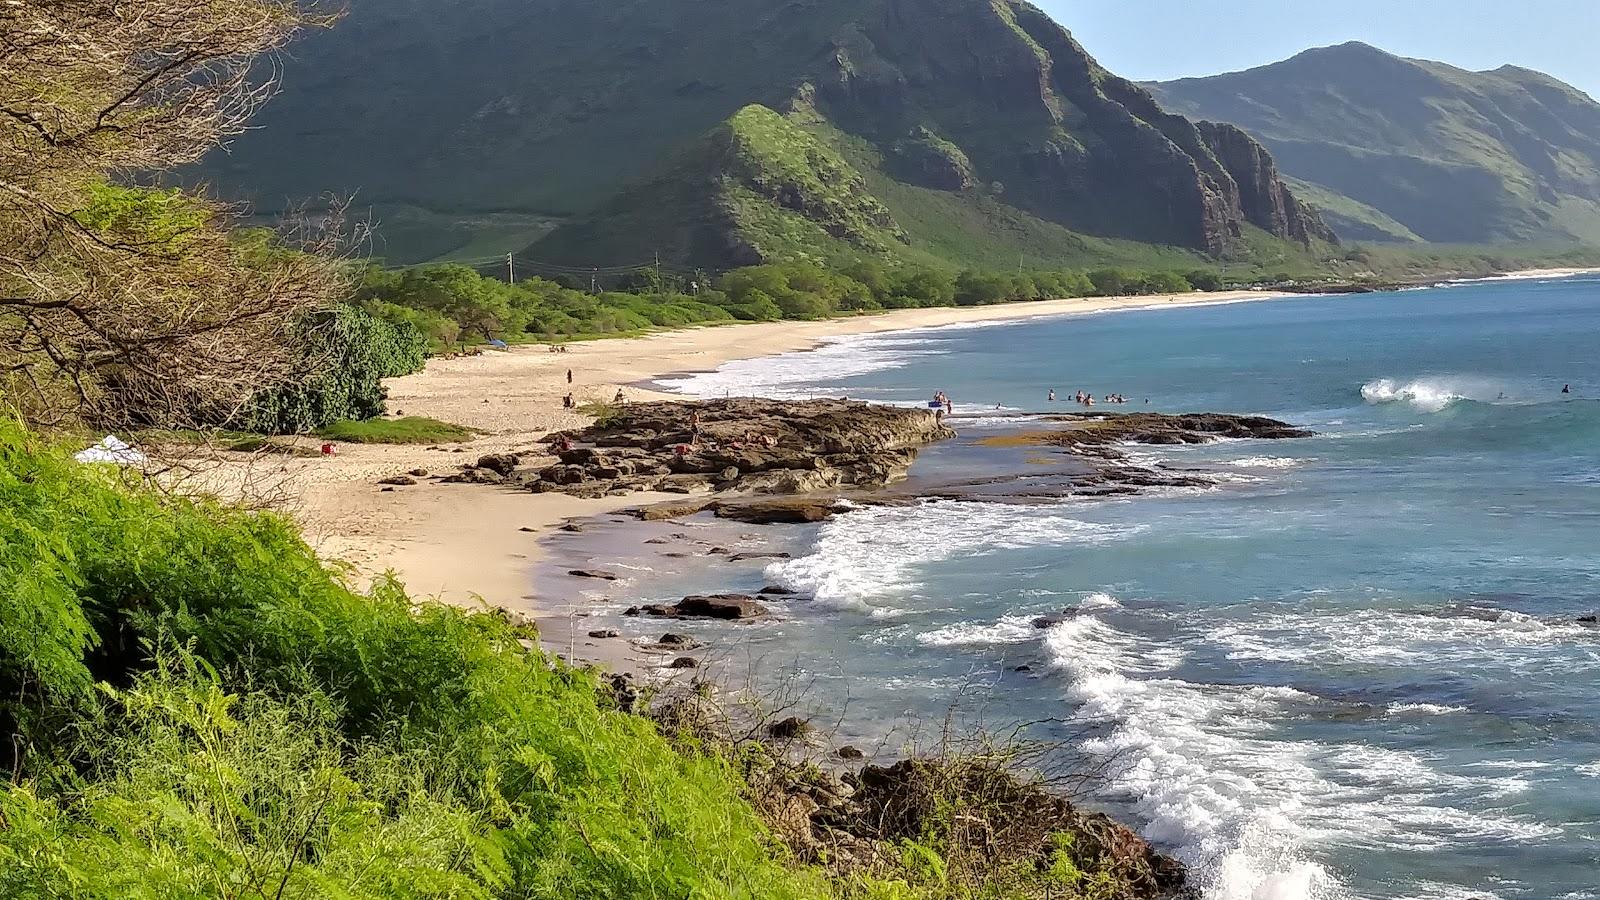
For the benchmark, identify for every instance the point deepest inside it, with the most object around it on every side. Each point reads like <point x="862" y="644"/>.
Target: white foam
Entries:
<point x="870" y="555"/>
<point x="1098" y="602"/>
<point x="792" y="375"/>
<point x="1206" y="767"/>
<point x="1009" y="630"/>
<point x="1266" y="462"/>
<point x="1423" y="709"/>
<point x="1426" y="395"/>
<point x="1492" y="640"/>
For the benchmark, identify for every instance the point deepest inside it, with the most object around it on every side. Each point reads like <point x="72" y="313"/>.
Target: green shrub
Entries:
<point x="348" y="352"/>
<point x="421" y="749"/>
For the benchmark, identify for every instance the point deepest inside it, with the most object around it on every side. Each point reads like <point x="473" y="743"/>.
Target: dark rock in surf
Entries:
<point x="599" y="574"/>
<point x="789" y="729"/>
<point x="728" y="607"/>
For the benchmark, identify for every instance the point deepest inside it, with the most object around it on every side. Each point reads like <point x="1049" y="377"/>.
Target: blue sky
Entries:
<point x="1161" y="39"/>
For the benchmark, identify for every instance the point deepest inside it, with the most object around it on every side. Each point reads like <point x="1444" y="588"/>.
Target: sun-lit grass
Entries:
<point x="409" y="430"/>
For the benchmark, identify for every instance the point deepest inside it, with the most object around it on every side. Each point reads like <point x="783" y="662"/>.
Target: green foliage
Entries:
<point x="408" y="430"/>
<point x="363" y="746"/>
<point x="347" y="352"/>
<point x="151" y="218"/>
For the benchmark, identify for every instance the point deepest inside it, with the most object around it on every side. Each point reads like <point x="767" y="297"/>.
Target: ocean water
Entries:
<point x="1352" y="669"/>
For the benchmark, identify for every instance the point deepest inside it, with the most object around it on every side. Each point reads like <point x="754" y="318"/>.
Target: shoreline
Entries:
<point x="462" y="543"/>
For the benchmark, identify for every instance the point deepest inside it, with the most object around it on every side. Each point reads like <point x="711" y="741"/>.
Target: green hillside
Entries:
<point x="631" y="122"/>
<point x="1403" y="149"/>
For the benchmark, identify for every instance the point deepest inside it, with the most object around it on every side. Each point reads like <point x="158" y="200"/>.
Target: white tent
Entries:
<point x="112" y="450"/>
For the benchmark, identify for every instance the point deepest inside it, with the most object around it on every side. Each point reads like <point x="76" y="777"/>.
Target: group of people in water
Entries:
<point x="942" y="402"/>
<point x="1084" y="398"/>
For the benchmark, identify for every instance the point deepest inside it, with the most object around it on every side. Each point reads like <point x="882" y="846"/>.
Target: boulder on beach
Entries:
<point x="600" y="574"/>
<point x="720" y="606"/>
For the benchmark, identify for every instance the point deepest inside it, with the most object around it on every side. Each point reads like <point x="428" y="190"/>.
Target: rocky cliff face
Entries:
<point x="1263" y="197"/>
<point x="1047" y="127"/>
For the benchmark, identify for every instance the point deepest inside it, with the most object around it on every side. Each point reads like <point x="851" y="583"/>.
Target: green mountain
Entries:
<point x="1403" y="149"/>
<point x="965" y="130"/>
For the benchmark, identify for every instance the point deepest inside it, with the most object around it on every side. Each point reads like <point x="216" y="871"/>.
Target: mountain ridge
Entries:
<point x="1453" y="155"/>
<point x="568" y="108"/>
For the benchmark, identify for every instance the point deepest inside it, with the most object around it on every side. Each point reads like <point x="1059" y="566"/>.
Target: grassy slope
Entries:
<point x="1455" y="156"/>
<point x="1353" y="219"/>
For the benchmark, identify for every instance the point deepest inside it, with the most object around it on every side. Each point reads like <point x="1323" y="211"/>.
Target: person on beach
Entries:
<point x="619" y="398"/>
<point x="569" y="376"/>
<point x="1052" y="395"/>
<point x="568" y="402"/>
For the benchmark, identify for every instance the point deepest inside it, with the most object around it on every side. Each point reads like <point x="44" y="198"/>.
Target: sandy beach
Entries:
<point x="460" y="542"/>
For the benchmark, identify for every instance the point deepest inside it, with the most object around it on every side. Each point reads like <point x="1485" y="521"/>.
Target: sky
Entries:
<point x="1165" y="39"/>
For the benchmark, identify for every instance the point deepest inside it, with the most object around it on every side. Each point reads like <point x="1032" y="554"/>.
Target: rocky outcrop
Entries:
<point x="726" y="607"/>
<point x="740" y="446"/>
<point x="1098" y="432"/>
<point x="925" y="158"/>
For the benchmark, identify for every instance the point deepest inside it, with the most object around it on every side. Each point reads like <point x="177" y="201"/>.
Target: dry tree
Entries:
<point x="122" y="306"/>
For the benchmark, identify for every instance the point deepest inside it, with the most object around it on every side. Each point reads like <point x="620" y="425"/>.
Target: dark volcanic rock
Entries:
<point x="604" y="633"/>
<point x="1099" y="430"/>
<point x="399" y="480"/>
<point x="593" y="573"/>
<point x="773" y="590"/>
<point x="789" y="728"/>
<point x="682" y="641"/>
<point x="747" y="446"/>
<point x="685" y="662"/>
<point x="788" y="510"/>
<point x="499" y="463"/>
<point x="849" y="753"/>
<point x="720" y="606"/>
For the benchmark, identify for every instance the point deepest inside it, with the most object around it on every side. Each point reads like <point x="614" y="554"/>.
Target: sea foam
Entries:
<point x="1205" y="767"/>
<point x="1426" y="395"/>
<point x="863" y="558"/>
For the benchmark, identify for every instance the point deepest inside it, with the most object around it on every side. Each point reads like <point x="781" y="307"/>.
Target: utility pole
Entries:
<point x="594" y="280"/>
<point x="511" y="270"/>
<point x="661" y="289"/>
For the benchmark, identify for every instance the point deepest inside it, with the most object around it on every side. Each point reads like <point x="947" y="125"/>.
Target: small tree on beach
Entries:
<point x="121" y="305"/>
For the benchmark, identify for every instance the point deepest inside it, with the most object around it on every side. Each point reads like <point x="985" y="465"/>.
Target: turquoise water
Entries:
<point x="1352" y="669"/>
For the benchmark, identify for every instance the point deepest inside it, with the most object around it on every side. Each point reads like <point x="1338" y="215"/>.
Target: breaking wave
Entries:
<point x="1205" y="767"/>
<point x="868" y="556"/>
<point x="1426" y="395"/>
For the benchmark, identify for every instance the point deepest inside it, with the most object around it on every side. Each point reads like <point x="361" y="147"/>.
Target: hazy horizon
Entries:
<point x="1158" y="40"/>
